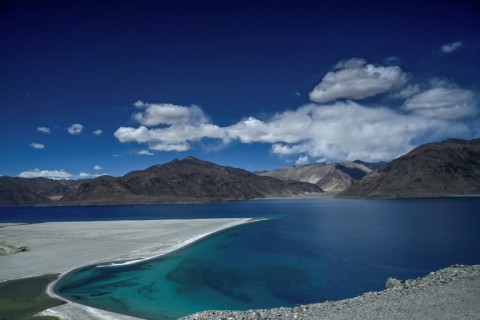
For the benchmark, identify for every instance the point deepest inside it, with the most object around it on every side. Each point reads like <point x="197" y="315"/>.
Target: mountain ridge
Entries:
<point x="447" y="168"/>
<point x="186" y="180"/>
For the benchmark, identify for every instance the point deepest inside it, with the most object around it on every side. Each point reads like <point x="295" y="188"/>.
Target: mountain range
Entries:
<point x="187" y="180"/>
<point x="447" y="168"/>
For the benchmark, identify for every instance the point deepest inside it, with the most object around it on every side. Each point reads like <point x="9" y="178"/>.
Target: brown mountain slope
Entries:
<point x="328" y="176"/>
<point x="25" y="191"/>
<point x="187" y="180"/>
<point x="447" y="168"/>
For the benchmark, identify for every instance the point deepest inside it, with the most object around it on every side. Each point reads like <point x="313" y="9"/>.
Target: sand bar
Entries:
<point x="58" y="247"/>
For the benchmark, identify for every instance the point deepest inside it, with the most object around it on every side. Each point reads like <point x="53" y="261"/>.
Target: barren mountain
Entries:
<point x="24" y="191"/>
<point x="187" y="180"/>
<point x="328" y="176"/>
<point x="447" y="168"/>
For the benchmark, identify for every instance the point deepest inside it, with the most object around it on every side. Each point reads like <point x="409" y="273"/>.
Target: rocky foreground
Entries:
<point x="451" y="293"/>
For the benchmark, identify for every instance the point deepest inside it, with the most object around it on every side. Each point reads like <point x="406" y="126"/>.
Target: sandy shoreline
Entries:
<point x="59" y="247"/>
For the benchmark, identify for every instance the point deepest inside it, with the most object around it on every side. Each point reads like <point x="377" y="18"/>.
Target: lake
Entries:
<point x="308" y="250"/>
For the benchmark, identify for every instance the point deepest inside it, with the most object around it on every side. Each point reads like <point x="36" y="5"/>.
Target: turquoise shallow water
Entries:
<point x="309" y="251"/>
<point x="217" y="272"/>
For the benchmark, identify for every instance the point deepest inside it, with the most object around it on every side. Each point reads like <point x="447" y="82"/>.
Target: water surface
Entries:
<point x="308" y="251"/>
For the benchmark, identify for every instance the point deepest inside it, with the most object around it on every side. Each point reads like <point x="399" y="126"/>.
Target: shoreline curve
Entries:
<point x="148" y="244"/>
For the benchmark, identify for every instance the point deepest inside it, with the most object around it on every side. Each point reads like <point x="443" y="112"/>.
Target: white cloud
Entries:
<point x="285" y="150"/>
<point x="51" y="174"/>
<point x="175" y="137"/>
<point x="334" y="131"/>
<point x="84" y="175"/>
<point x="170" y="146"/>
<point x="75" y="128"/>
<point x="339" y="131"/>
<point x="37" y="145"/>
<point x="128" y="134"/>
<point x="441" y="102"/>
<point x="97" y="167"/>
<point x="139" y="104"/>
<point x="144" y="153"/>
<point x="450" y="47"/>
<point x="354" y="79"/>
<point x="43" y="129"/>
<point x="98" y="132"/>
<point x="406" y="92"/>
<point x="302" y="160"/>
<point x="168" y="114"/>
<point x="353" y="63"/>
<point x="349" y="131"/>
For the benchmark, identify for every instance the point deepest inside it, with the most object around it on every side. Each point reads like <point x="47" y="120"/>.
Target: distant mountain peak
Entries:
<point x="328" y="176"/>
<point x="199" y="163"/>
<point x="192" y="158"/>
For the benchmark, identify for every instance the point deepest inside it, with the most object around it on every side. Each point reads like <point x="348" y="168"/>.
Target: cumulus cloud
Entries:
<point x="168" y="114"/>
<point x="451" y="47"/>
<point x="97" y="167"/>
<point x="333" y="131"/>
<point x="51" y="174"/>
<point x="355" y="79"/>
<point x="83" y="175"/>
<point x="349" y="131"/>
<point x="98" y="132"/>
<point x="302" y="160"/>
<point x="86" y="175"/>
<point x="285" y="150"/>
<point x="184" y="146"/>
<point x="75" y="128"/>
<point x="37" y="145"/>
<point x="406" y="92"/>
<point x="177" y="127"/>
<point x="339" y="131"/>
<point x="144" y="153"/>
<point x="43" y="129"/>
<point x="442" y="102"/>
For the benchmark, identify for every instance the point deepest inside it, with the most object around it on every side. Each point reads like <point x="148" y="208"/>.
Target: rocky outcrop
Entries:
<point x="328" y="176"/>
<point x="448" y="168"/>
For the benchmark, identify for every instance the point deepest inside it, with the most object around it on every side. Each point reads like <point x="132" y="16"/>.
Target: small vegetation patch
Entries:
<point x="22" y="299"/>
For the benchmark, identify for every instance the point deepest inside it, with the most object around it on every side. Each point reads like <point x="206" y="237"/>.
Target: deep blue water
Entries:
<point x="308" y="251"/>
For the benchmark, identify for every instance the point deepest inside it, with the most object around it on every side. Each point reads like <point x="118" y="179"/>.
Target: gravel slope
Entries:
<point x="451" y="293"/>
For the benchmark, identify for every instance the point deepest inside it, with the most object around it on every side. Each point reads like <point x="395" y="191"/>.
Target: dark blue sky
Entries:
<point x="239" y="77"/>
